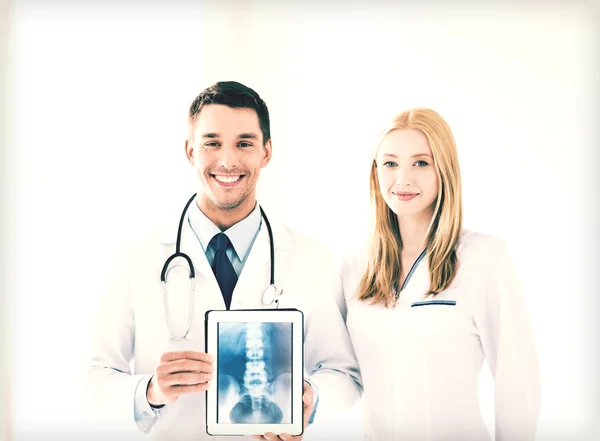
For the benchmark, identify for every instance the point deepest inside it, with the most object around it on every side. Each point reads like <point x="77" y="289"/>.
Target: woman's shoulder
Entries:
<point x="475" y="245"/>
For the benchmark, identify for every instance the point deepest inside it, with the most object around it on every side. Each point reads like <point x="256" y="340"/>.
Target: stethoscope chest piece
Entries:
<point x="270" y="296"/>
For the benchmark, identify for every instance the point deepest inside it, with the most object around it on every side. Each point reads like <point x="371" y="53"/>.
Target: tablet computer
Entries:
<point x="258" y="378"/>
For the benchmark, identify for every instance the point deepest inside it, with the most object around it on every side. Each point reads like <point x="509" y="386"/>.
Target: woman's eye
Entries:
<point x="389" y="164"/>
<point x="421" y="163"/>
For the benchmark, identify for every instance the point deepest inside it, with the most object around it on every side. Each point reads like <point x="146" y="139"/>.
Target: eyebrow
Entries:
<point x="248" y="136"/>
<point x="391" y="155"/>
<point x="212" y="135"/>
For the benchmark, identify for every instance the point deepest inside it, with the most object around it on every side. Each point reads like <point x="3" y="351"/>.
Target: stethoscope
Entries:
<point x="269" y="296"/>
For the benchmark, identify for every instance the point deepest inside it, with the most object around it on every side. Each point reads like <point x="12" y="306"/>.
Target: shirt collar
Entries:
<point x="241" y="234"/>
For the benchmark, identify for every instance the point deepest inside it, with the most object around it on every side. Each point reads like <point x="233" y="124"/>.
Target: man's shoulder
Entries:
<point x="303" y="240"/>
<point x="300" y="241"/>
<point x="143" y="241"/>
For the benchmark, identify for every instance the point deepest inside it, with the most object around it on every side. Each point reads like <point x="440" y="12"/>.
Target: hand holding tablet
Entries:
<point x="179" y="373"/>
<point x="308" y="400"/>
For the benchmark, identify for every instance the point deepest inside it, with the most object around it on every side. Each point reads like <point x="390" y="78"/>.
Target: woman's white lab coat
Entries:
<point x="131" y="326"/>
<point x="421" y="364"/>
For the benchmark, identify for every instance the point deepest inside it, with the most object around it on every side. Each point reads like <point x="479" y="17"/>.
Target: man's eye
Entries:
<point x="245" y="144"/>
<point x="212" y="144"/>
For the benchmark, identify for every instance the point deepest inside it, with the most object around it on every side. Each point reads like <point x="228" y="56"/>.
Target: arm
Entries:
<point x="112" y="392"/>
<point x="329" y="356"/>
<point x="506" y="336"/>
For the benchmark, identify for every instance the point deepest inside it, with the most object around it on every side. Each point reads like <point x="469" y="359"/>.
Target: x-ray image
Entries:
<point x="254" y="373"/>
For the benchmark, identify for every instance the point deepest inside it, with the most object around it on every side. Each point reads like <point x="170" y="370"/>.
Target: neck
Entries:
<point x="224" y="218"/>
<point x="413" y="231"/>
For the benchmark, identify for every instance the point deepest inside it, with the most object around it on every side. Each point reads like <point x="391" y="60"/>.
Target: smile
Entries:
<point x="227" y="181"/>
<point x="406" y="196"/>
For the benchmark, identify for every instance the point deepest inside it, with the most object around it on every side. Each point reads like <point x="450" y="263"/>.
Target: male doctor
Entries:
<point x="149" y="382"/>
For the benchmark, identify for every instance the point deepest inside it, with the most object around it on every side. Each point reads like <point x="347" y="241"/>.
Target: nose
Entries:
<point x="228" y="157"/>
<point x="404" y="177"/>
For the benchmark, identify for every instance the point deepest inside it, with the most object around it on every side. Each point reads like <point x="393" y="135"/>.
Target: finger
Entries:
<point x="270" y="436"/>
<point x="199" y="356"/>
<point x="186" y="355"/>
<point x="307" y="389"/>
<point x="307" y="399"/>
<point x="172" y="356"/>
<point x="187" y="378"/>
<point x="286" y="437"/>
<point x="193" y="365"/>
<point x="174" y="367"/>
<point x="190" y="366"/>
<point x="176" y="391"/>
<point x="262" y="438"/>
<point x="308" y="394"/>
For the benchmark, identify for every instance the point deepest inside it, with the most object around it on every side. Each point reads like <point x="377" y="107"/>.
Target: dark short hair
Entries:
<point x="234" y="95"/>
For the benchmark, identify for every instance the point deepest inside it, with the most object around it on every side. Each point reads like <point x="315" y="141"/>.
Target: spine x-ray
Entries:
<point x="254" y="373"/>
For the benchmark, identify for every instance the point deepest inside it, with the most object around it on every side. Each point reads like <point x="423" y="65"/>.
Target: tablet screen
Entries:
<point x="254" y="373"/>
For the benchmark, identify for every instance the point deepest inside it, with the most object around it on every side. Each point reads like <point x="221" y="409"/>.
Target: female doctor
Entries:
<point x="428" y="301"/>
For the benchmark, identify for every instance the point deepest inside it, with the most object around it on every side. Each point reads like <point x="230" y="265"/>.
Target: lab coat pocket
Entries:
<point x="433" y="302"/>
<point x="435" y="316"/>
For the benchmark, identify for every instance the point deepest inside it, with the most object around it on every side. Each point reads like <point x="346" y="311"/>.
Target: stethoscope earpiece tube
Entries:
<point x="163" y="273"/>
<point x="272" y="248"/>
<point x="178" y="253"/>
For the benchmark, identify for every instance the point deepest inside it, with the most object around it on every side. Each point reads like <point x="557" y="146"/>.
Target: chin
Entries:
<point x="229" y="203"/>
<point x="403" y="212"/>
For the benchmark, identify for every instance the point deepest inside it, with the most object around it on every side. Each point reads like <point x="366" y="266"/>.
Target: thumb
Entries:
<point x="307" y="398"/>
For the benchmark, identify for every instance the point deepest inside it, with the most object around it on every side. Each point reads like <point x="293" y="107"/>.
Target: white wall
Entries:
<point x="101" y="101"/>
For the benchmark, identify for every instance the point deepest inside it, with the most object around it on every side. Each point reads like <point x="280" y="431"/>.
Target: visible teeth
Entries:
<point x="227" y="179"/>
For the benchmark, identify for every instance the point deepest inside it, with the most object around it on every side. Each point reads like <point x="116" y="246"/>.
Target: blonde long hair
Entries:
<point x="380" y="280"/>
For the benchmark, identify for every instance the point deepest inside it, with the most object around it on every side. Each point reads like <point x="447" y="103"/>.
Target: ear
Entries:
<point x="267" y="150"/>
<point x="189" y="151"/>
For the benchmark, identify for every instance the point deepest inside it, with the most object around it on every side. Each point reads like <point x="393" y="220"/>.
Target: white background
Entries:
<point x="101" y="98"/>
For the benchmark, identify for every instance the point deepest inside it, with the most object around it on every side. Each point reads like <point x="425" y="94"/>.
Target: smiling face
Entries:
<point x="407" y="177"/>
<point x="228" y="153"/>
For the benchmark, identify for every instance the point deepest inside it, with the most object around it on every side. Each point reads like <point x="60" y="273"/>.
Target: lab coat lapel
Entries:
<point x="418" y="284"/>
<point x="254" y="278"/>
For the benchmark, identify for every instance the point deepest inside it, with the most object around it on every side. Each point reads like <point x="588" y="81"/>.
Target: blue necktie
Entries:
<point x="222" y="267"/>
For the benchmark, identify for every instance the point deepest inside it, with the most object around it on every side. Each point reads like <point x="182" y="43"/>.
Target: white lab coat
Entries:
<point x="421" y="365"/>
<point x="131" y="327"/>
